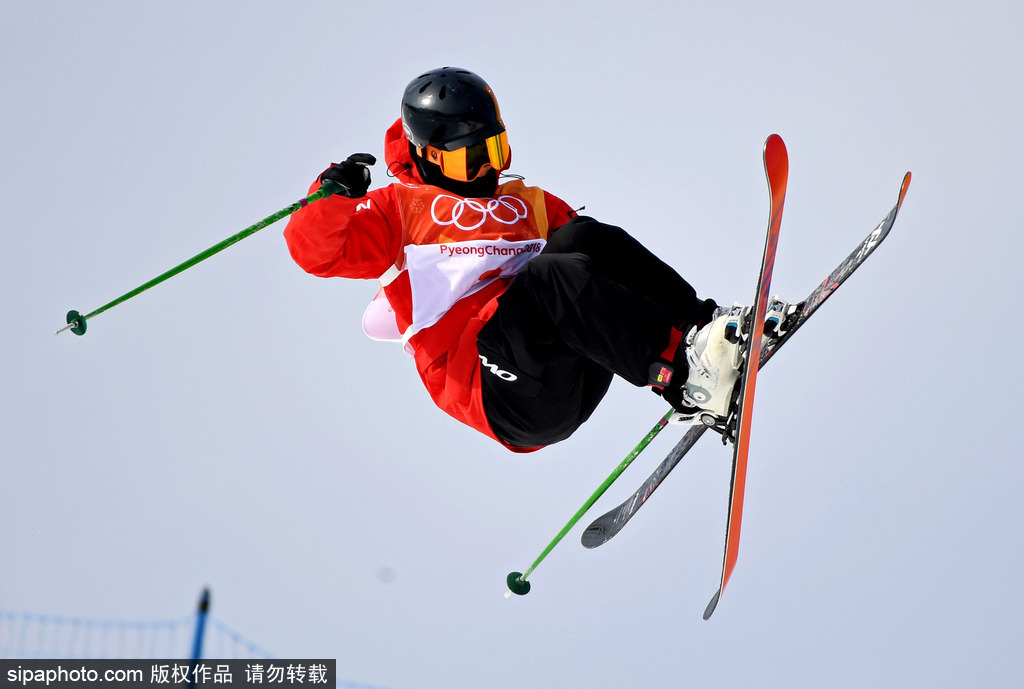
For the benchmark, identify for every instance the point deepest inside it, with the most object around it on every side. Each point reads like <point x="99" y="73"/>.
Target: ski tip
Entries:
<point x="904" y="187"/>
<point x="710" y="610"/>
<point x="516" y="584"/>
<point x="776" y="164"/>
<point x="594" y="535"/>
<point x="775" y="148"/>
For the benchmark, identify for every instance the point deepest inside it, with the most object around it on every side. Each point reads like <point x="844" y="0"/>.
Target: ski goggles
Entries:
<point x="466" y="164"/>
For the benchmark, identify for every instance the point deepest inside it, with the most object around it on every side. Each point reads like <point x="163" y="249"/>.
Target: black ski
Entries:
<point x="605" y="527"/>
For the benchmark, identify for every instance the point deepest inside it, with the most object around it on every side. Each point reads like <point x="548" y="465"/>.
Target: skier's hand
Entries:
<point x="350" y="177"/>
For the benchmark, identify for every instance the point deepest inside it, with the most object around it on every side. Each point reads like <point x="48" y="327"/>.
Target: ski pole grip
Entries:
<point x="329" y="187"/>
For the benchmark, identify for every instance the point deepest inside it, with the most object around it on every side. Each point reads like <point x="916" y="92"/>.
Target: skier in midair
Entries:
<point x="516" y="310"/>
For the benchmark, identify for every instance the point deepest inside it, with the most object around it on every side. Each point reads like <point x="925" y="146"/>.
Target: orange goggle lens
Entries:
<point x="465" y="164"/>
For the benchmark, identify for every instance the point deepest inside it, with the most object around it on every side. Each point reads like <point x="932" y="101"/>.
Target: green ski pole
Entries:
<point x="516" y="581"/>
<point x="76" y="322"/>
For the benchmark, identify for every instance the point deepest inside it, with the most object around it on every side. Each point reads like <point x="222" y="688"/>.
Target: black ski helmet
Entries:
<point x="449" y="108"/>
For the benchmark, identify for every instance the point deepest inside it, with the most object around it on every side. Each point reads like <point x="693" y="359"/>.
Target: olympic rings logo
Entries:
<point x="470" y="214"/>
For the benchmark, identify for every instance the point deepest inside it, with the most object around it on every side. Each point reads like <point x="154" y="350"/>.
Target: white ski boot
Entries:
<point x="714" y="356"/>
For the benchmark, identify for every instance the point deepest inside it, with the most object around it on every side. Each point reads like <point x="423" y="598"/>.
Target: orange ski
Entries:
<point x="776" y="167"/>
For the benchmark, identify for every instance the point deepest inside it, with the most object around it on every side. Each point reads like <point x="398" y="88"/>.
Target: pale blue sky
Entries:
<point x="234" y="428"/>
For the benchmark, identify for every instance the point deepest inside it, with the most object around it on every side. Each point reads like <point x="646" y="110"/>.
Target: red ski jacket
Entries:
<point x="442" y="260"/>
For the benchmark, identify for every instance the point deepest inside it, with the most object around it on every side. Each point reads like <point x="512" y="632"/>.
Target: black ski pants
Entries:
<point x="595" y="303"/>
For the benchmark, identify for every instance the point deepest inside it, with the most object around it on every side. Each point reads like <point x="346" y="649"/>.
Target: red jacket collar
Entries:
<point x="397" y="155"/>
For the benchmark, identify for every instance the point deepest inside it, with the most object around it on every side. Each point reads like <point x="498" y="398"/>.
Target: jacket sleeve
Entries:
<point x="342" y="237"/>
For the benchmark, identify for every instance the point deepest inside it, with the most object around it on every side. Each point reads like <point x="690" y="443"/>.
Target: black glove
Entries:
<point x="350" y="177"/>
